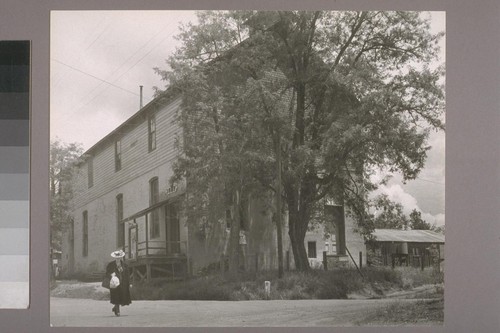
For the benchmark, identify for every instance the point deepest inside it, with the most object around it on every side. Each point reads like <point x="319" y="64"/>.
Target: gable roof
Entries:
<point x="163" y="98"/>
<point x="411" y="236"/>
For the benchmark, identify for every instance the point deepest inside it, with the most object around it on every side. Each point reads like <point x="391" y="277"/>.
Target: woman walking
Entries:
<point x="121" y="294"/>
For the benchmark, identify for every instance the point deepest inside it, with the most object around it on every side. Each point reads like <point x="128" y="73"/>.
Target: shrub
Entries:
<point x="411" y="277"/>
<point x="319" y="284"/>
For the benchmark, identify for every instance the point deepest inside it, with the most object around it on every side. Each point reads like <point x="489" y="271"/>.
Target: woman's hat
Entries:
<point x="118" y="254"/>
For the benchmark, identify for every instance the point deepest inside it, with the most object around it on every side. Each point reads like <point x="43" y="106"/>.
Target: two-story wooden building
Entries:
<point x="122" y="198"/>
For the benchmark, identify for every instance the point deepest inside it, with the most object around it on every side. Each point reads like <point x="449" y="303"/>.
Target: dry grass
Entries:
<point x="315" y="284"/>
<point x="424" y="312"/>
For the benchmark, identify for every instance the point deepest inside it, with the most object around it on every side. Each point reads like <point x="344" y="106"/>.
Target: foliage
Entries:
<point x="344" y="92"/>
<point x="417" y="223"/>
<point x="411" y="277"/>
<point x="313" y="284"/>
<point x="390" y="214"/>
<point x="62" y="158"/>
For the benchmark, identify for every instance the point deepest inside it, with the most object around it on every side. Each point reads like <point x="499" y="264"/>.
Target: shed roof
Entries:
<point x="411" y="236"/>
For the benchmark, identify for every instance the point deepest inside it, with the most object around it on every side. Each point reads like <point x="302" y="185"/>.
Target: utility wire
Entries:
<point x="139" y="49"/>
<point x="429" y="181"/>
<point x="93" y="76"/>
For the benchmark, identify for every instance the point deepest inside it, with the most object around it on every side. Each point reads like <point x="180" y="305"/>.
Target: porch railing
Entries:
<point x="151" y="248"/>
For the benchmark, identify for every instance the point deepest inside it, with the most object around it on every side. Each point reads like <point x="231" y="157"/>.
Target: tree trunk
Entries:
<point x="278" y="209"/>
<point x="298" y="138"/>
<point x="234" y="237"/>
<point x="298" y="248"/>
<point x="297" y="222"/>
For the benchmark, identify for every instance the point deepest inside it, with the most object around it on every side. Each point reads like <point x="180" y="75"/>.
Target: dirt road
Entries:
<point x="300" y="313"/>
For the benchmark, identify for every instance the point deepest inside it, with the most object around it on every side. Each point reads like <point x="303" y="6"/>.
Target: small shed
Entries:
<point x="419" y="248"/>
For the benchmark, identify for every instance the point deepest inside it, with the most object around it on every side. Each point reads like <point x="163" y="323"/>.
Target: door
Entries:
<point x="172" y="228"/>
<point x="132" y="241"/>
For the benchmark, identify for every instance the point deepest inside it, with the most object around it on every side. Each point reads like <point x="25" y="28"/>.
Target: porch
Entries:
<point x="153" y="245"/>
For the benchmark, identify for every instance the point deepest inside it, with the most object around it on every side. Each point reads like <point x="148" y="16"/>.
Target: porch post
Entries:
<point x="147" y="237"/>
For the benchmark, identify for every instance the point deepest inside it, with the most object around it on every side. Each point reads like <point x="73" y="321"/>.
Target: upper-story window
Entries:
<point x="90" y="171"/>
<point x="154" y="197"/>
<point x="120" y="227"/>
<point x="85" y="234"/>
<point x="151" y="133"/>
<point x="118" y="155"/>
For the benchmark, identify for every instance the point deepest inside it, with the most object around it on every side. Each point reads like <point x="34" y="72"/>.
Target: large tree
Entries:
<point x="359" y="91"/>
<point x="219" y="141"/>
<point x="62" y="158"/>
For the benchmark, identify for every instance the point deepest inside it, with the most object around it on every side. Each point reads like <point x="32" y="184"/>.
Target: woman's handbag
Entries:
<point x="105" y="282"/>
<point x="114" y="282"/>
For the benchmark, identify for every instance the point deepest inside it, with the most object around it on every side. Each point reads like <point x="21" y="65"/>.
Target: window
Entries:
<point x="118" y="155"/>
<point x="90" y="171"/>
<point x="154" y="196"/>
<point x="311" y="249"/>
<point x="120" y="227"/>
<point x="152" y="133"/>
<point x="85" y="231"/>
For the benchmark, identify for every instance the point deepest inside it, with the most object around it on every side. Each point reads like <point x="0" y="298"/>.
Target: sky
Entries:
<point x="100" y="58"/>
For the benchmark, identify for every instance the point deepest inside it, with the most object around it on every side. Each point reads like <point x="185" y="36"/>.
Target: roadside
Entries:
<point x="315" y="284"/>
<point x="337" y="298"/>
<point x="94" y="291"/>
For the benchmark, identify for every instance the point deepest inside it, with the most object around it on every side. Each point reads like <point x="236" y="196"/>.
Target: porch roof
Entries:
<point x="153" y="207"/>
<point x="409" y="236"/>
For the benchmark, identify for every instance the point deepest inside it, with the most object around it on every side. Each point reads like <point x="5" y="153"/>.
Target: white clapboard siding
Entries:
<point x="136" y="159"/>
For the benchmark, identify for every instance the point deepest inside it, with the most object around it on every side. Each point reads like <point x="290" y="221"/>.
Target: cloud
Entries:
<point x="396" y="193"/>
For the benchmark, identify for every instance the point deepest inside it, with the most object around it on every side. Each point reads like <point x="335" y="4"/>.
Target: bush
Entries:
<point x="411" y="277"/>
<point x="314" y="284"/>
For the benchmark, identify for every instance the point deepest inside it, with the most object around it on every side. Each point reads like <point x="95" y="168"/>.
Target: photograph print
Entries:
<point x="247" y="168"/>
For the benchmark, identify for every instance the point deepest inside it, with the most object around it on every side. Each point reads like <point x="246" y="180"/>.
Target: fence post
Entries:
<point x="360" y="259"/>
<point x="267" y="289"/>
<point x="393" y="261"/>
<point x="422" y="262"/>
<point x="256" y="262"/>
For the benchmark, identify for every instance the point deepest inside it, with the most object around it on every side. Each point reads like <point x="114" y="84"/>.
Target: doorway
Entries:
<point x="172" y="229"/>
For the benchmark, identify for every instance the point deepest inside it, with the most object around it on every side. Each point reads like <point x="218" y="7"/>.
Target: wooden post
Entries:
<point x="422" y="262"/>
<point x="360" y="259"/>
<point x="393" y="261"/>
<point x="147" y="237"/>
<point x="148" y="272"/>
<point x="256" y="262"/>
<point x="325" y="261"/>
